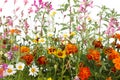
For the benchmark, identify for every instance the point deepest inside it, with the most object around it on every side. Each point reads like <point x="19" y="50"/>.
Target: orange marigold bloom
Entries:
<point x="117" y="36"/>
<point x="116" y="62"/>
<point x="93" y="55"/>
<point x="97" y="44"/>
<point x="108" y="50"/>
<point x="71" y="48"/>
<point x="84" y="73"/>
<point x="24" y="49"/>
<point x="28" y="58"/>
<point x="111" y="53"/>
<point x="42" y="60"/>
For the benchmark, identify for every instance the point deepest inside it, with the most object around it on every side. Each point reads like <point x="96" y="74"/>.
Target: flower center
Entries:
<point x="9" y="70"/>
<point x="33" y="70"/>
<point x="20" y="67"/>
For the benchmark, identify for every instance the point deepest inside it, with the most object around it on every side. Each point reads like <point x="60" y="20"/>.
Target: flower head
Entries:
<point x="84" y="73"/>
<point x="24" y="49"/>
<point x="59" y="53"/>
<point x="20" y="66"/>
<point x="34" y="70"/>
<point x="10" y="70"/>
<point x="28" y="58"/>
<point x="71" y="48"/>
<point x="42" y="60"/>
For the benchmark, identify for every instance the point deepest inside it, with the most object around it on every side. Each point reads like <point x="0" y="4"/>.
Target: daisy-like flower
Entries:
<point x="20" y="66"/>
<point x="34" y="70"/>
<point x="10" y="70"/>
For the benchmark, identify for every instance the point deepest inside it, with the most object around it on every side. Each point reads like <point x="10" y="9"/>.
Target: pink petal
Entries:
<point x="25" y="2"/>
<point x="0" y="9"/>
<point x="14" y="2"/>
<point x="17" y="8"/>
<point x="5" y="1"/>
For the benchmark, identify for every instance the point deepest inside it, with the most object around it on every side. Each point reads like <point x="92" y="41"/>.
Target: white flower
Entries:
<point x="10" y="70"/>
<point x="1" y="52"/>
<point x="34" y="70"/>
<point x="20" y="66"/>
<point x="42" y="40"/>
<point x="50" y="34"/>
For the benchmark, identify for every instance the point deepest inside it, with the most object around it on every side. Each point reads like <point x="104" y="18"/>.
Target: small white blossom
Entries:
<point x="34" y="70"/>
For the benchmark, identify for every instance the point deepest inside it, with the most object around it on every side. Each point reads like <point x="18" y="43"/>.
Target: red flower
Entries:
<point x="28" y="58"/>
<point x="42" y="60"/>
<point x="84" y="73"/>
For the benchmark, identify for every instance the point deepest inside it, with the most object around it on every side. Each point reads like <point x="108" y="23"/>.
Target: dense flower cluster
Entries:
<point x="75" y="48"/>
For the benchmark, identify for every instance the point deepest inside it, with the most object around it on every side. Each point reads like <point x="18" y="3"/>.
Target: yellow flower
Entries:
<point x="100" y="38"/>
<point x="59" y="53"/>
<point x="65" y="35"/>
<point x="89" y="18"/>
<point x="52" y="13"/>
<point x="50" y="34"/>
<point x="42" y="40"/>
<point x="72" y="33"/>
<point x="49" y="78"/>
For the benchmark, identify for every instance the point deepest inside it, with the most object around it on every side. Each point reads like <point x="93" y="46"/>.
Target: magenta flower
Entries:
<point x="3" y="67"/>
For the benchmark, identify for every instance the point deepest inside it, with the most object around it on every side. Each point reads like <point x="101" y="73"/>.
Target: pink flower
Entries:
<point x="5" y="1"/>
<point x="25" y="2"/>
<point x="14" y="2"/>
<point x="40" y="2"/>
<point x="78" y="28"/>
<point x="30" y="10"/>
<point x="0" y="9"/>
<point x="9" y="21"/>
<point x="26" y="25"/>
<point x="110" y="31"/>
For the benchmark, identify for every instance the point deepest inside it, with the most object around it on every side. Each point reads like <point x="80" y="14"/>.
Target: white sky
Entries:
<point x="8" y="6"/>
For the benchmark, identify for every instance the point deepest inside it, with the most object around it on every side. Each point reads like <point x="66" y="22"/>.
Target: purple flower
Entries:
<point x="10" y="55"/>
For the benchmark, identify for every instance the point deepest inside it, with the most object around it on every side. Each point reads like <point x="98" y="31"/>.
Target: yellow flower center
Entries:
<point x="20" y="67"/>
<point x="33" y="70"/>
<point x="9" y="70"/>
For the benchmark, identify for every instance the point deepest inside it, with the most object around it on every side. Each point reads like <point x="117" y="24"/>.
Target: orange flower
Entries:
<point x="71" y="48"/>
<point x="97" y="44"/>
<point x="93" y="55"/>
<point x="13" y="31"/>
<point x="111" y="53"/>
<point x="109" y="78"/>
<point x="116" y="62"/>
<point x="28" y="58"/>
<point x="24" y="49"/>
<point x="117" y="36"/>
<point x="84" y="73"/>
<point x="42" y="60"/>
